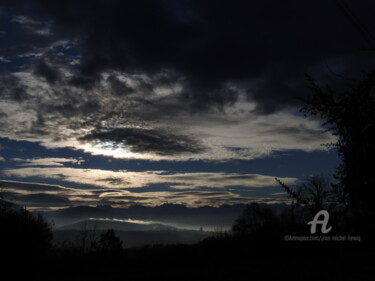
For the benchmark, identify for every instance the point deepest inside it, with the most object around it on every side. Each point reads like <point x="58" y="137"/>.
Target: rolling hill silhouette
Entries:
<point x="177" y="215"/>
<point x="117" y="225"/>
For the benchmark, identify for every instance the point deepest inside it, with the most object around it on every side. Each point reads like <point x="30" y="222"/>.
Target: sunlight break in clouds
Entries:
<point x="135" y="116"/>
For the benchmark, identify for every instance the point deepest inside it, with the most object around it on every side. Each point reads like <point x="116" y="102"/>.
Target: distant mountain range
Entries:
<point x="178" y="216"/>
<point x="138" y="238"/>
<point x="117" y="225"/>
<point x="9" y="205"/>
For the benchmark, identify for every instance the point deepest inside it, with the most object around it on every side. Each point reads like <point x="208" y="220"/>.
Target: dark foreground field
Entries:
<point x="28" y="253"/>
<point x="224" y="258"/>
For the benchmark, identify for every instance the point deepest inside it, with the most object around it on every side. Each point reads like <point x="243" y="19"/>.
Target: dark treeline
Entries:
<point x="254" y="250"/>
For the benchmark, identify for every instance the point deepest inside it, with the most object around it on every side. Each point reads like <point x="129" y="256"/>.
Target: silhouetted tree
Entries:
<point x="255" y="220"/>
<point x="315" y="193"/>
<point x="87" y="239"/>
<point x="351" y="117"/>
<point x="110" y="243"/>
<point x="22" y="233"/>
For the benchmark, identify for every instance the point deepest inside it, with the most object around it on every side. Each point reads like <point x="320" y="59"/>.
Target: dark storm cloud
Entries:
<point x="47" y="71"/>
<point x="155" y="141"/>
<point x="3" y="115"/>
<point x="201" y="96"/>
<point x="40" y="199"/>
<point x="119" y="88"/>
<point x="73" y="107"/>
<point x="266" y="46"/>
<point x="11" y="88"/>
<point x="30" y="187"/>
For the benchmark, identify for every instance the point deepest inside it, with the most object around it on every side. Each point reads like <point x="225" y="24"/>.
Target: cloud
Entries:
<point x="29" y="25"/>
<point x="45" y="70"/>
<point x="128" y="179"/>
<point x="11" y="88"/>
<point x="221" y="180"/>
<point x="57" y="162"/>
<point x="42" y="196"/>
<point x="45" y="197"/>
<point x="3" y="59"/>
<point x="41" y="199"/>
<point x="172" y="81"/>
<point x="33" y="26"/>
<point x="145" y="141"/>
<point x="39" y="196"/>
<point x="145" y="124"/>
<point x="25" y="187"/>
<point x="191" y="199"/>
<point x="2" y="159"/>
<point x="210" y="44"/>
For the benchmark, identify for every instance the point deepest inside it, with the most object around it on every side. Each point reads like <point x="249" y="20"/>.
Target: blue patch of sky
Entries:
<point x="292" y="163"/>
<point x="8" y="36"/>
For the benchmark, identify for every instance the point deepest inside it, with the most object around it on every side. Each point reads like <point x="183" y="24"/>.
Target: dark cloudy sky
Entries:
<point x="190" y="102"/>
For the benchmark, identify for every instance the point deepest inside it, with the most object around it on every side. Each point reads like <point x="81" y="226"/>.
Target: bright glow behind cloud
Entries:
<point x="234" y="134"/>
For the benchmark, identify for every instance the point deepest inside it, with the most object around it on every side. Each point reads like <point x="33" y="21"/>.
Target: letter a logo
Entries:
<point x="323" y="222"/>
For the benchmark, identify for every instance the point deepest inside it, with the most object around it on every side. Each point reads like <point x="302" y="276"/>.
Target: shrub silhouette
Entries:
<point x="314" y="193"/>
<point x="87" y="239"/>
<point x="351" y="117"/>
<point x="109" y="243"/>
<point x="22" y="233"/>
<point x="256" y="220"/>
